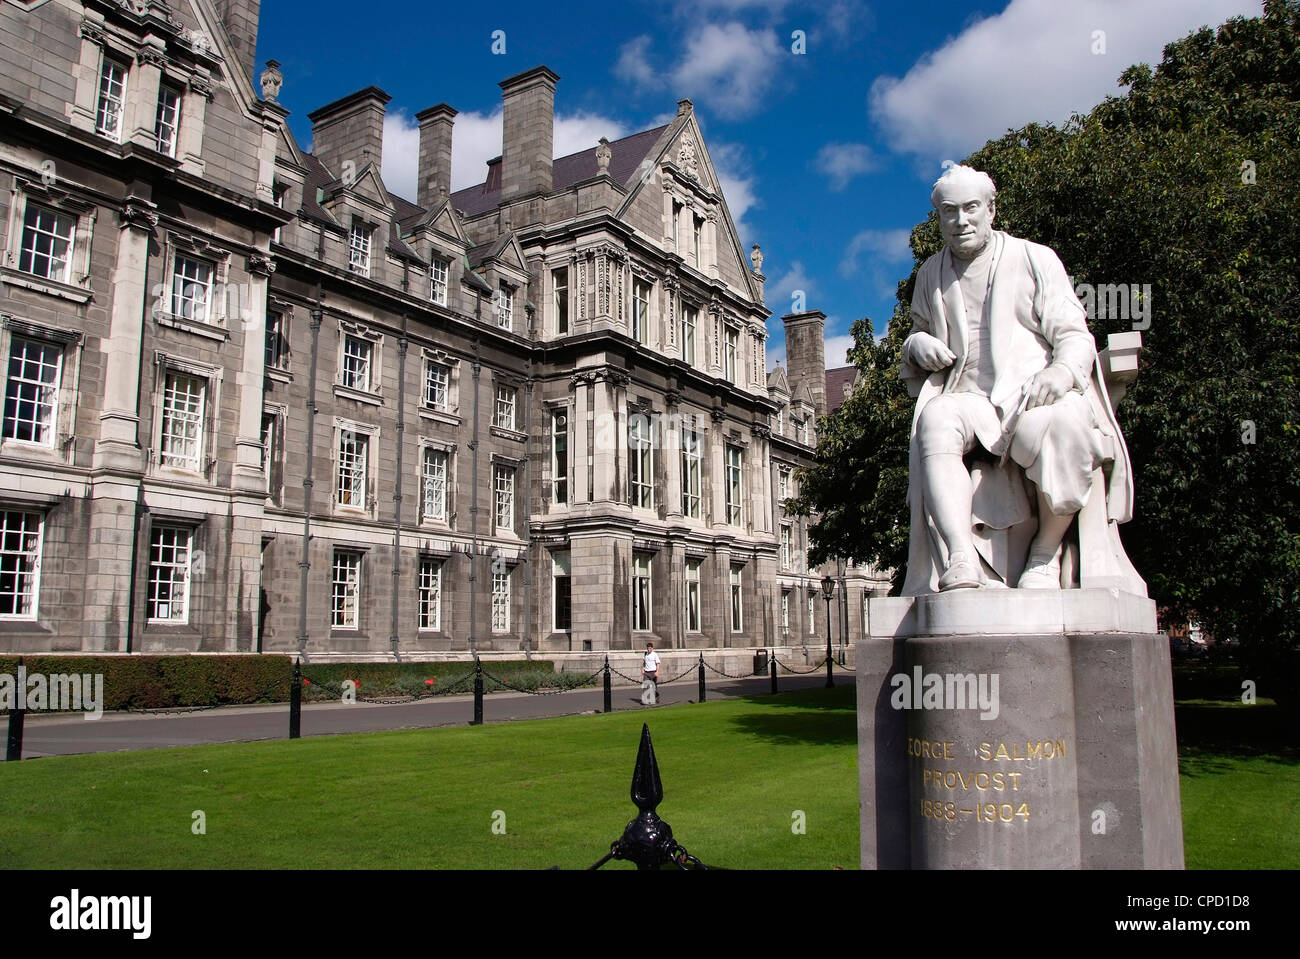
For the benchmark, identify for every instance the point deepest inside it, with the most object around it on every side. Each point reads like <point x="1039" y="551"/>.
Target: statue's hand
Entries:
<point x="929" y="352"/>
<point x="1048" y="386"/>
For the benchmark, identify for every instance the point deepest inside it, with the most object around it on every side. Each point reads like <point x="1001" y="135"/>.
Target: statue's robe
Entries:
<point x="1035" y="321"/>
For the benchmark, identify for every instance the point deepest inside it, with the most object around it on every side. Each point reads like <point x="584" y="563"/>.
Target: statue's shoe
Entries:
<point x="960" y="574"/>
<point x="1041" y="574"/>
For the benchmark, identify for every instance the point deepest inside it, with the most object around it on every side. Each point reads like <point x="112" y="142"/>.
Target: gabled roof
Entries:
<point x="776" y="381"/>
<point x="839" y="382"/>
<point x="627" y="155"/>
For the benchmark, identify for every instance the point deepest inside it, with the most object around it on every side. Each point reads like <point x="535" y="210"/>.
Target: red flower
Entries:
<point x="428" y="682"/>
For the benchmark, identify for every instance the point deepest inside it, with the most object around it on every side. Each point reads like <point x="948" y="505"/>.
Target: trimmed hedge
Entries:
<point x="160" y="682"/>
<point x="163" y="682"/>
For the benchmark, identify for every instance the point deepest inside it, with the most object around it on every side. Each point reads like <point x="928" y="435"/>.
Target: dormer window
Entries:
<point x="505" y="307"/>
<point x="438" y="281"/>
<point x="359" y="249"/>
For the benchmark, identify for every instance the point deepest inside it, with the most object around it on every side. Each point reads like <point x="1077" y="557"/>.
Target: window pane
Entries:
<point x="169" y="573"/>
<point x="438" y="281"/>
<point x="191" y="288"/>
<point x="168" y="120"/>
<point x="32" y="392"/>
<point x="112" y="93"/>
<point x="181" y="441"/>
<point x="356" y="362"/>
<point x="20" y="563"/>
<point x="354" y="450"/>
<point x="434" y="490"/>
<point x="47" y="244"/>
<point x="345" y="590"/>
<point x="430" y="594"/>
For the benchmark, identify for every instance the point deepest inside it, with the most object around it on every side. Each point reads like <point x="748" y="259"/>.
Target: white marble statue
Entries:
<point x="1013" y="431"/>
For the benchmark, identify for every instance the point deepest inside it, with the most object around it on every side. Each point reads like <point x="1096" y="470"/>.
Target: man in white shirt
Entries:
<point x="649" y="676"/>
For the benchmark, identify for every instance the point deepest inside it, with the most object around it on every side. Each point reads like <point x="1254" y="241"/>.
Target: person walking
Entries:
<point x="649" y="676"/>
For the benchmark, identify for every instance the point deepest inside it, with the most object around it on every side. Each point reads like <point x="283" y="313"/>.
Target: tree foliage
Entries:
<point x="1152" y="186"/>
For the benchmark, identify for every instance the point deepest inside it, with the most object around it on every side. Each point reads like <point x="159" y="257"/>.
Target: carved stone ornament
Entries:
<point x="92" y="31"/>
<point x="272" y="79"/>
<point x="687" y="158"/>
<point x="756" y="258"/>
<point x="138" y="216"/>
<point x="151" y="56"/>
<point x="261" y="263"/>
<point x="201" y="85"/>
<point x="603" y="156"/>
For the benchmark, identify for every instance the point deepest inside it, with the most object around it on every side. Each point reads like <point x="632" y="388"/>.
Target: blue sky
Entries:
<point x="826" y="155"/>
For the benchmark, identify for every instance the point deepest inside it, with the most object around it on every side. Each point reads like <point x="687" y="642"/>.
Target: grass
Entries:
<point x="402" y="800"/>
<point x="734" y="772"/>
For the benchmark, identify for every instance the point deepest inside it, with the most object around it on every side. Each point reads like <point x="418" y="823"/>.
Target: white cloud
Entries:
<point x="878" y="247"/>
<point x="1031" y="63"/>
<point x="837" y="350"/>
<point x="780" y="291"/>
<point x="476" y="138"/>
<point x="401" y="153"/>
<point x="739" y="185"/>
<point x="726" y="65"/>
<point x="841" y="162"/>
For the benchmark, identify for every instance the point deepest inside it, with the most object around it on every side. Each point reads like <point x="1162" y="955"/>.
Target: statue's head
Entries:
<point x="967" y="201"/>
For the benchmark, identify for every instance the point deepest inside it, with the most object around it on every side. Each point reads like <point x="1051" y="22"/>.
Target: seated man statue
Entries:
<point x="1008" y="390"/>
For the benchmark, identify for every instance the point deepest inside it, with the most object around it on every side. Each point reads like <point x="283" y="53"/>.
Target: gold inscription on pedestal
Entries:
<point x="995" y="780"/>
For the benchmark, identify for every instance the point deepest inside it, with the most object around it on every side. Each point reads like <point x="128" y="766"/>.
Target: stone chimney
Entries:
<point x="239" y="17"/>
<point x="350" y="130"/>
<point x="805" y="354"/>
<point x="528" y="133"/>
<point x="433" y="183"/>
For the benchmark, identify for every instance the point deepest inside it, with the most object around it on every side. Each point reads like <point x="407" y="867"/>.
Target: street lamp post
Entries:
<point x="828" y="590"/>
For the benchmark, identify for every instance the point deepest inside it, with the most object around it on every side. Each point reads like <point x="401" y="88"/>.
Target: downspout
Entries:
<point x="476" y="367"/>
<point x="304" y="565"/>
<point x="528" y="526"/>
<point x="402" y="344"/>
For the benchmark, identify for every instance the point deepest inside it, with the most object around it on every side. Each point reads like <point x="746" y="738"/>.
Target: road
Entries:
<point x="65" y="734"/>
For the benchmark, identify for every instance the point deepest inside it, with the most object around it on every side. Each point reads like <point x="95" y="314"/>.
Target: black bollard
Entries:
<point x="478" y="693"/>
<point x="14" y="745"/>
<point x="295" y="701"/>
<point x="830" y="677"/>
<point x="773" y="665"/>
<point x="14" y="749"/>
<point x="701" y="677"/>
<point x="609" y="692"/>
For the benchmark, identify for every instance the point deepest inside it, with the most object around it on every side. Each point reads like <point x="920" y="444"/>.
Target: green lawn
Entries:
<point x="734" y="773"/>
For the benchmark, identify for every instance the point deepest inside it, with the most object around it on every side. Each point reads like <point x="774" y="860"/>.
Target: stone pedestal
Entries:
<point x="1017" y="729"/>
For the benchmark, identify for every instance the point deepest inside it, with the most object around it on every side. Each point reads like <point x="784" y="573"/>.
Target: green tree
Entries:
<point x="1189" y="181"/>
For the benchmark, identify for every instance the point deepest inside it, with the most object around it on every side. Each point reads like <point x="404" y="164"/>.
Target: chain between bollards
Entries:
<point x="14" y="743"/>
<point x="295" y="701"/>
<point x="609" y="691"/>
<point x="701" y="677"/>
<point x="478" y="693"/>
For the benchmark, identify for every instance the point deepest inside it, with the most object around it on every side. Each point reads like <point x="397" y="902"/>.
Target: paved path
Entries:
<point x="64" y="734"/>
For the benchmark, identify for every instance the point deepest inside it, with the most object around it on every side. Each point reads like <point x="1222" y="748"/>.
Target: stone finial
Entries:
<point x="603" y="156"/>
<point x="756" y="258"/>
<point x="272" y="79"/>
<point x="684" y="106"/>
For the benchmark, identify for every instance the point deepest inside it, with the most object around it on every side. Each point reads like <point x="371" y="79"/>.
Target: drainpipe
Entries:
<point x="528" y="526"/>
<point x="402" y="344"/>
<point x="304" y="565"/>
<point x="476" y="367"/>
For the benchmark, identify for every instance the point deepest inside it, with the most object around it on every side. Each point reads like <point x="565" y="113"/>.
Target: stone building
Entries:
<point x="255" y="401"/>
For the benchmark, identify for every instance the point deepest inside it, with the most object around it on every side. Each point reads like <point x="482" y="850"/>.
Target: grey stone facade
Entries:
<point x="505" y="377"/>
